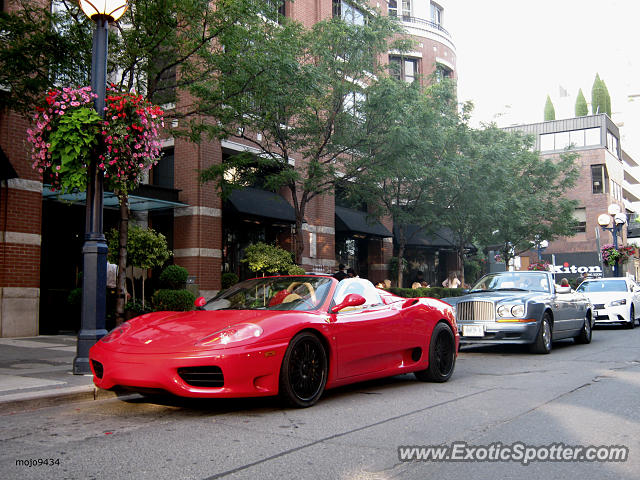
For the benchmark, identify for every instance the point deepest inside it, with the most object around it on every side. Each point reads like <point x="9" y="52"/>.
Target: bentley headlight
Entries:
<point x="516" y="311"/>
<point x="617" y="303"/>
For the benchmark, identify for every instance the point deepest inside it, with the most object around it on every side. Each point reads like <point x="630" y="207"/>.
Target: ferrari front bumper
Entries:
<point x="245" y="371"/>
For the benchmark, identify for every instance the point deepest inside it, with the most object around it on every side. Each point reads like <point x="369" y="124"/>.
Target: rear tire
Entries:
<point x="543" y="338"/>
<point x="442" y="355"/>
<point x="303" y="374"/>
<point x="585" y="334"/>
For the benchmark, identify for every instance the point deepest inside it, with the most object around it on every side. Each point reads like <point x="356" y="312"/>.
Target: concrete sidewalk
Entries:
<point x="37" y="372"/>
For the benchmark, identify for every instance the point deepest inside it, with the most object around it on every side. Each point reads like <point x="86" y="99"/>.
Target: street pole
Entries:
<point x="94" y="250"/>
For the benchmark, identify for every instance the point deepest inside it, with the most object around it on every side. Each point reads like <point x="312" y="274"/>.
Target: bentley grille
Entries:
<point x="482" y="311"/>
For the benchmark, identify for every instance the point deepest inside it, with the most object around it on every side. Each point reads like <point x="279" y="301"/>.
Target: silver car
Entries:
<point x="523" y="308"/>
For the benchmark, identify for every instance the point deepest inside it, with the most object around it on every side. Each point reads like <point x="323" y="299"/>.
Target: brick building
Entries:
<point x="608" y="176"/>
<point x="41" y="234"/>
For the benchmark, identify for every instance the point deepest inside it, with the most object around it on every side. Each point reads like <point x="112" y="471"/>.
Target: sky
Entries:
<point x="511" y="54"/>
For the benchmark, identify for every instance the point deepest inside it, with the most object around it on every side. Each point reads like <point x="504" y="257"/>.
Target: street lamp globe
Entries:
<point x="613" y="209"/>
<point x="604" y="220"/>
<point x="113" y="9"/>
<point x="620" y="219"/>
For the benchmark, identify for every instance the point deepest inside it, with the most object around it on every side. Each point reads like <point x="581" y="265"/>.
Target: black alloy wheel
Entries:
<point x="442" y="355"/>
<point x="304" y="371"/>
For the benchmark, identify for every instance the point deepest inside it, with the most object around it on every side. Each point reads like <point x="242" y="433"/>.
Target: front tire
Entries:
<point x="632" y="320"/>
<point x="585" y="334"/>
<point x="543" y="338"/>
<point x="442" y="355"/>
<point x="303" y="374"/>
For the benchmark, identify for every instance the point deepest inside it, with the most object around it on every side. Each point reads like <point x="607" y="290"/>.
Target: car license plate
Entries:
<point x="473" y="330"/>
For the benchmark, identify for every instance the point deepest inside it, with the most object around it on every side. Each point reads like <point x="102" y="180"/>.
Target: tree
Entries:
<point x="402" y="178"/>
<point x="306" y="105"/>
<point x="146" y="249"/>
<point x="581" y="105"/>
<point x="598" y="96"/>
<point x="549" y="111"/>
<point x="530" y="204"/>
<point x="607" y="99"/>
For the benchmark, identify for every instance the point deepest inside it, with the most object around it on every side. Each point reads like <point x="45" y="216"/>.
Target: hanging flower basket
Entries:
<point x="612" y="255"/>
<point x="67" y="131"/>
<point x="539" y="266"/>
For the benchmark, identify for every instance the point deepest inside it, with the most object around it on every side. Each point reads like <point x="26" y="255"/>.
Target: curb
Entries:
<point x="20" y="402"/>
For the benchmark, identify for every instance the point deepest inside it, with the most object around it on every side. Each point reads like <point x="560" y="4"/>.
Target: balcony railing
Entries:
<point x="425" y="23"/>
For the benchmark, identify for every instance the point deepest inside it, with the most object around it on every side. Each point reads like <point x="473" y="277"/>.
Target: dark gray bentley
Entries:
<point x="522" y="307"/>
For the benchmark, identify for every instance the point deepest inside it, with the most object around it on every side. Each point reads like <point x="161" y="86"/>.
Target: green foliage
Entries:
<point x="306" y="96"/>
<point x="433" y="292"/>
<point x="72" y="140"/>
<point x="173" y="300"/>
<point x="146" y="248"/>
<point x="581" y="105"/>
<point x="599" y="94"/>
<point x="265" y="258"/>
<point x="135" y="308"/>
<point x="549" y="111"/>
<point x="229" y="279"/>
<point x="75" y="296"/>
<point x="34" y="56"/>
<point x="174" y="277"/>
<point x="295" y="270"/>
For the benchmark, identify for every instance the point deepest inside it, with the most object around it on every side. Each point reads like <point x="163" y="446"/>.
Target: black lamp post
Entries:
<point x="94" y="250"/>
<point x="619" y="219"/>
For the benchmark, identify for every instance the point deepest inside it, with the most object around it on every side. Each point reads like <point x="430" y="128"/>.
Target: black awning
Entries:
<point x="442" y="238"/>
<point x="6" y="169"/>
<point x="355" y="221"/>
<point x="261" y="203"/>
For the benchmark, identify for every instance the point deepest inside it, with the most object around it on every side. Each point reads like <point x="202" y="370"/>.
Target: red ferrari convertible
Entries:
<point x="291" y="336"/>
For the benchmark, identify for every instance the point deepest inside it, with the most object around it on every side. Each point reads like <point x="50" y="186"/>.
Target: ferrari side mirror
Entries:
<point x="351" y="300"/>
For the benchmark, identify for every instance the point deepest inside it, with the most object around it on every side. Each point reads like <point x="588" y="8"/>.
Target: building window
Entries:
<point x="599" y="178"/>
<point x="353" y="102"/>
<point x="162" y="173"/>
<point x="279" y="5"/>
<point x="612" y="144"/>
<point x="436" y="14"/>
<point x="616" y="190"/>
<point x="442" y="72"/>
<point x="392" y="8"/>
<point x="348" y="13"/>
<point x="580" y="216"/>
<point x="405" y="69"/>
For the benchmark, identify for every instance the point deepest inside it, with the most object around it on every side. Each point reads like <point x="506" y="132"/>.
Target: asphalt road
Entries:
<point x="579" y="395"/>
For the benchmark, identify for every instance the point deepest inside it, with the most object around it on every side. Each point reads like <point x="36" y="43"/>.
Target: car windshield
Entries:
<point x="273" y="293"/>
<point x="595" y="286"/>
<point x="536" y="282"/>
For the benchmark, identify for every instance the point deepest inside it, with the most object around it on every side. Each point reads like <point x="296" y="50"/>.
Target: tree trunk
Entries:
<point x="299" y="246"/>
<point x="401" y="246"/>
<point x="121" y="299"/>
<point x="460" y="262"/>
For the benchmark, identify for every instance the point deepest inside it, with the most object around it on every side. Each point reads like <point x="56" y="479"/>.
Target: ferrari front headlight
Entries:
<point x="234" y="333"/>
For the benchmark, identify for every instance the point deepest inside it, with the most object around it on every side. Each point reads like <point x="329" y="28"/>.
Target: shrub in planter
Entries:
<point x="173" y="300"/>
<point x="229" y="279"/>
<point x="295" y="270"/>
<point x="174" y="277"/>
<point x="433" y="292"/>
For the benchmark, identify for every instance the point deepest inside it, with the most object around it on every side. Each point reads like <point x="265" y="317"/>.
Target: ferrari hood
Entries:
<point x="177" y="331"/>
